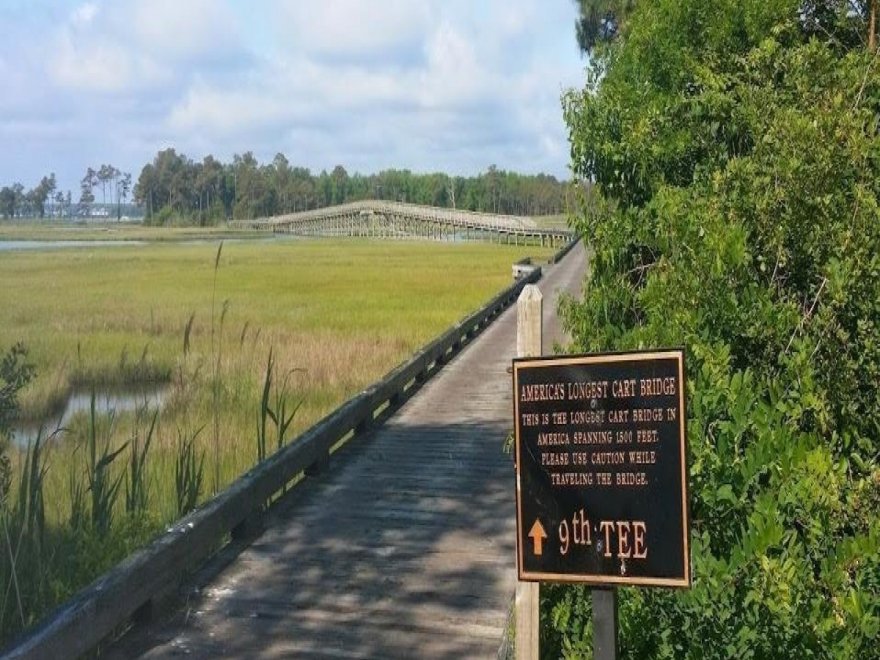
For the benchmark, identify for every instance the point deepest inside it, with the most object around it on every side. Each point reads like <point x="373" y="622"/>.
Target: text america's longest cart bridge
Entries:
<point x="381" y="219"/>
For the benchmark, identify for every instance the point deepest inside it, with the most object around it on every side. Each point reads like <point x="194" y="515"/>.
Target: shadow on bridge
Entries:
<point x="404" y="548"/>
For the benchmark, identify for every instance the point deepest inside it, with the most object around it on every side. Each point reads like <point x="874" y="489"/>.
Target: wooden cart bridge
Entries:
<point x="395" y="538"/>
<point x="395" y="220"/>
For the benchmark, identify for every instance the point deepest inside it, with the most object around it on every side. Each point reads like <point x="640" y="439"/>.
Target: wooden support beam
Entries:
<point x="604" y="623"/>
<point x="529" y="311"/>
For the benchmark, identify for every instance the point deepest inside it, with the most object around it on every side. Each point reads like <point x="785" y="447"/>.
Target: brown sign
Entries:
<point x="601" y="475"/>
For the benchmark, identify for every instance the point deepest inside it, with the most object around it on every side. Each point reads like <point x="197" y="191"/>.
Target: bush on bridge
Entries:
<point x="737" y="146"/>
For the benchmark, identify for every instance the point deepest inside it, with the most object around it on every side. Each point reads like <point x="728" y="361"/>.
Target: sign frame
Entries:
<point x="604" y="579"/>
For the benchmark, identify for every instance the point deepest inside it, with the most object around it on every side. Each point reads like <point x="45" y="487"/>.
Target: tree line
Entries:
<point x="16" y="202"/>
<point x="45" y="199"/>
<point x="175" y="188"/>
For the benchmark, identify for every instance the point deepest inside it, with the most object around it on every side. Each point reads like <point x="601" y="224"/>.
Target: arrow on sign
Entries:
<point x="538" y="534"/>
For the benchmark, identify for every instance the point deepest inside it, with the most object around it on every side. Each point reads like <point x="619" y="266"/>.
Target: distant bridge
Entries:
<point x="395" y="220"/>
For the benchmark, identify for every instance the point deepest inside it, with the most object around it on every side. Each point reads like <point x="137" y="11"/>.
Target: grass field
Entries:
<point x="115" y="231"/>
<point x="558" y="221"/>
<point x="343" y="313"/>
<point x="336" y="316"/>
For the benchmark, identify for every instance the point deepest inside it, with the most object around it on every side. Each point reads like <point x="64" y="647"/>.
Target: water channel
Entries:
<point x="106" y="403"/>
<point x="10" y="246"/>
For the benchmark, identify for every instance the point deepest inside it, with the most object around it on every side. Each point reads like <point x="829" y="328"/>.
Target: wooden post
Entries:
<point x="605" y="623"/>
<point x="529" y="309"/>
<point x="872" y="26"/>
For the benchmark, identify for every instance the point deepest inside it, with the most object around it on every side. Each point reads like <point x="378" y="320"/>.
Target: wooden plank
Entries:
<point x="316" y="640"/>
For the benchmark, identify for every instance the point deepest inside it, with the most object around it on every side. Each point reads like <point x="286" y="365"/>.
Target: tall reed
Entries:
<point x="136" y="486"/>
<point x="216" y="356"/>
<point x="31" y="510"/>
<point x="24" y="526"/>
<point x="103" y="487"/>
<point x="189" y="470"/>
<point x="77" y="494"/>
<point x="263" y="414"/>
<point x="280" y="413"/>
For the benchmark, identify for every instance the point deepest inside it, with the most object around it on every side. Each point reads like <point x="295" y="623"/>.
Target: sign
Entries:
<point x="601" y="487"/>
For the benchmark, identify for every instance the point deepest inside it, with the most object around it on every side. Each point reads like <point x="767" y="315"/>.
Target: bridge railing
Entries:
<point x="130" y="588"/>
<point x="454" y="217"/>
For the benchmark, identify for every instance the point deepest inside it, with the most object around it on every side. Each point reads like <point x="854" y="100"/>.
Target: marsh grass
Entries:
<point x="216" y="359"/>
<point x="345" y="312"/>
<point x="103" y="486"/>
<point x="276" y="408"/>
<point x="332" y="317"/>
<point x="189" y="471"/>
<point x="55" y="231"/>
<point x="555" y="221"/>
<point x="263" y="416"/>
<point x="24" y="527"/>
<point x="137" y="485"/>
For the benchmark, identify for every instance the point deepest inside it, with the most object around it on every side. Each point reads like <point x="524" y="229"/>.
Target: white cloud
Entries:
<point x="84" y="14"/>
<point x="183" y="29"/>
<point x="102" y="65"/>
<point x="132" y="45"/>
<point x="341" y="28"/>
<point x="454" y="74"/>
<point x="221" y="112"/>
<point x="469" y="91"/>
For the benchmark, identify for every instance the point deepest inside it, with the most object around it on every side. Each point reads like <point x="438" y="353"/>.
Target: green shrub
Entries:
<point x="15" y="373"/>
<point x="742" y="157"/>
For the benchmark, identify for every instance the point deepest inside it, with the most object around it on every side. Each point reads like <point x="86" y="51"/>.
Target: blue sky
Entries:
<point x="449" y="85"/>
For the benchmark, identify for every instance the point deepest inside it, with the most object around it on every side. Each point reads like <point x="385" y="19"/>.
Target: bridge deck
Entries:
<point x="404" y="548"/>
<point x="384" y="219"/>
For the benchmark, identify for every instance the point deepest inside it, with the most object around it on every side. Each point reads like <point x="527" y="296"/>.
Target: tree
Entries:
<point x="123" y="188"/>
<point x="302" y="189"/>
<point x="492" y="184"/>
<point x="339" y="178"/>
<point x="600" y="21"/>
<point x="175" y="186"/>
<point x="872" y="25"/>
<point x="145" y="189"/>
<point x="87" y="196"/>
<point x="248" y="184"/>
<point x="41" y="193"/>
<point x="19" y="199"/>
<point x="7" y="202"/>
<point x="167" y="185"/>
<point x="281" y="179"/>
<point x="846" y="23"/>
<point x="106" y="175"/>
<point x="59" y="204"/>
<point x="87" y="187"/>
<point x="209" y="182"/>
<point x="731" y="143"/>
